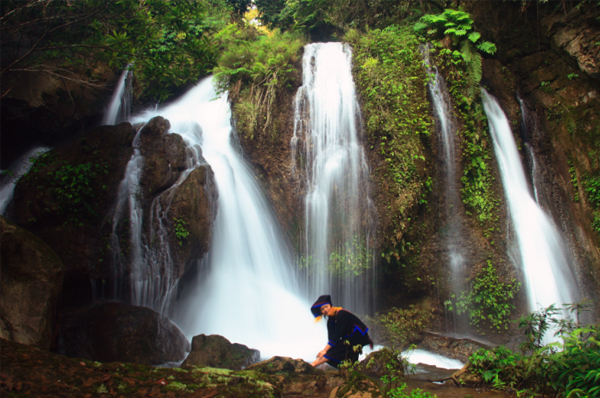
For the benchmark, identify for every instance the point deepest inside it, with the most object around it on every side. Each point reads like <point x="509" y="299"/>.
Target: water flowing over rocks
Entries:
<point x="110" y="332"/>
<point x="31" y="281"/>
<point x="217" y="352"/>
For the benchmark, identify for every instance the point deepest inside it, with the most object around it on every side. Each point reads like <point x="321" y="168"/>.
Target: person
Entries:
<point x="346" y="333"/>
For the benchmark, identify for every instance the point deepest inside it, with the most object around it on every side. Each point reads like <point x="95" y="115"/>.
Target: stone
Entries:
<point x="382" y="362"/>
<point x="164" y="156"/>
<point x="218" y="352"/>
<point x="285" y="365"/>
<point x="360" y="386"/>
<point x="460" y="349"/>
<point x="119" y="332"/>
<point x="31" y="277"/>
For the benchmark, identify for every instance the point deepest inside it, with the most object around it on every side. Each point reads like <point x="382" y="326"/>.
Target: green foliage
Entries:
<point x="391" y="81"/>
<point x="73" y="187"/>
<point x="592" y="188"/>
<point x="255" y="68"/>
<point x="399" y="392"/>
<point x="567" y="369"/>
<point x="478" y="176"/>
<point x="458" y="26"/>
<point x="398" y="327"/>
<point x="311" y="15"/>
<point x="168" y="43"/>
<point x="181" y="232"/>
<point x="488" y="300"/>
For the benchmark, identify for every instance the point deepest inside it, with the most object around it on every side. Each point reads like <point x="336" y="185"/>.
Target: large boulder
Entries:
<point x="164" y="156"/>
<point x="218" y="352"/>
<point x="31" y="277"/>
<point x="119" y="332"/>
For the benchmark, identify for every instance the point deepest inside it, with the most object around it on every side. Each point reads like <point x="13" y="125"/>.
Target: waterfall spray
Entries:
<point x="544" y="257"/>
<point x="120" y="104"/>
<point x="339" y="227"/>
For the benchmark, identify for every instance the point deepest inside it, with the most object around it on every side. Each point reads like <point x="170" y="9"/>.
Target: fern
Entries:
<point x="458" y="25"/>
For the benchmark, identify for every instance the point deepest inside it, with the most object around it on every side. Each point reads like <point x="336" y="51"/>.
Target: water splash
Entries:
<point x="119" y="108"/>
<point x="339" y="224"/>
<point x="544" y="257"/>
<point x="246" y="289"/>
<point x="10" y="176"/>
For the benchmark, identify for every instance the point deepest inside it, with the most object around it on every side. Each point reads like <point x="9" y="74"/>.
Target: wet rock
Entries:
<point x="218" y="352"/>
<point x="297" y="377"/>
<point x="460" y="349"/>
<point x="192" y="207"/>
<point x="283" y="365"/>
<point x="382" y="362"/>
<point x="31" y="281"/>
<point x="359" y="386"/>
<point x="119" y="332"/>
<point x="164" y="156"/>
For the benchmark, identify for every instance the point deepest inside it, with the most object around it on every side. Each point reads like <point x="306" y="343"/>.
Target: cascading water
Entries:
<point x="246" y="291"/>
<point x="454" y="235"/>
<point x="120" y="104"/>
<point x="544" y="258"/>
<point x="17" y="170"/>
<point x="339" y="223"/>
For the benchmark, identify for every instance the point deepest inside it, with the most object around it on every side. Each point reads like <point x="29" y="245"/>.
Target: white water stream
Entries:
<point x="17" y="170"/>
<point x="248" y="291"/>
<point x="454" y="234"/>
<point x="119" y="107"/>
<point x="543" y="255"/>
<point x="339" y="226"/>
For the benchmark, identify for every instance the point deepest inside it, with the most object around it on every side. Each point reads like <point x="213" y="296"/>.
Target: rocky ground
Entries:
<point x="28" y="371"/>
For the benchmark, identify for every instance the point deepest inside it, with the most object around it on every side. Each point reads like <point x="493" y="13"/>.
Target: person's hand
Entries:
<point x="321" y="353"/>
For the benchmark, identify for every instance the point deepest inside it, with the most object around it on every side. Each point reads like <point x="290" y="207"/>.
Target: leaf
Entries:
<point x="487" y="47"/>
<point x="474" y="36"/>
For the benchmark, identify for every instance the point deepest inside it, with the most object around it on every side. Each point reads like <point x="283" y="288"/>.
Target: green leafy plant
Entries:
<point x="254" y="68"/>
<point x="458" y="26"/>
<point x="488" y="300"/>
<point x="181" y="232"/>
<point x="567" y="369"/>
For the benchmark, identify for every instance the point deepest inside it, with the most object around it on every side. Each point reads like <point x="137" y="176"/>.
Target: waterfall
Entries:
<point x="544" y="257"/>
<point x="338" y="257"/>
<point x="10" y="176"/>
<point x="450" y="201"/>
<point x="120" y="103"/>
<point x="246" y="289"/>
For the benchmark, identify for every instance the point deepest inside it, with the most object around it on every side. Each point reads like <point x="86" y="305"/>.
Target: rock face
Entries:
<point x="110" y="332"/>
<point x="178" y="209"/>
<point x="31" y="280"/>
<point x="549" y="90"/>
<point x="216" y="351"/>
<point x="66" y="196"/>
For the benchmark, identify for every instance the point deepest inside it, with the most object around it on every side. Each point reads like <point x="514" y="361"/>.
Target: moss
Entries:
<point x="392" y="86"/>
